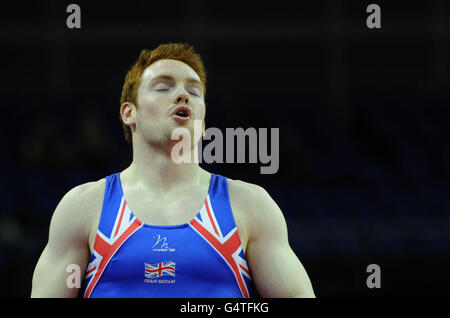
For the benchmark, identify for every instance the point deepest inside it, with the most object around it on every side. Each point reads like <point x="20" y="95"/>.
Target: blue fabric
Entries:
<point x="197" y="269"/>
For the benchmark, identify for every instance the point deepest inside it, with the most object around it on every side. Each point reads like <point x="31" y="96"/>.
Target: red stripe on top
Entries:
<point x="91" y="270"/>
<point x="210" y="217"/>
<point x="226" y="250"/>
<point x="121" y="216"/>
<point x="244" y="269"/>
<point x="107" y="251"/>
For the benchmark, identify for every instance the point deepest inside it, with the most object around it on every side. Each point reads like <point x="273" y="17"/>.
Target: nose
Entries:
<point x="182" y="98"/>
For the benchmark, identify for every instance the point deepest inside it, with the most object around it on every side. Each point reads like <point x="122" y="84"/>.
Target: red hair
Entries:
<point x="176" y="51"/>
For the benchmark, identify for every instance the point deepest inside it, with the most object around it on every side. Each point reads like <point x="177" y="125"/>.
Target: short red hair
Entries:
<point x="176" y="51"/>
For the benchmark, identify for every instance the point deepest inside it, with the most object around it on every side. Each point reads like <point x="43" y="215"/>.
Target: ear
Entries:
<point x="127" y="112"/>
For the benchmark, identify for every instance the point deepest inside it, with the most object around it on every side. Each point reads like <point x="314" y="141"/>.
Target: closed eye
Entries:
<point x="161" y="88"/>
<point x="194" y="90"/>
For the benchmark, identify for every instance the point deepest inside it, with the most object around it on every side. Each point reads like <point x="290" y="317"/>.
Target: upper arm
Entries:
<point x="67" y="244"/>
<point x="275" y="269"/>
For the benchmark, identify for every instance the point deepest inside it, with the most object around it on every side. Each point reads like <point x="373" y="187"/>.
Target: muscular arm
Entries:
<point x="67" y="244"/>
<point x="276" y="270"/>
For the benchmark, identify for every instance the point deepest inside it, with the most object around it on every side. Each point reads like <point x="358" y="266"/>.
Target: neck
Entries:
<point x="154" y="167"/>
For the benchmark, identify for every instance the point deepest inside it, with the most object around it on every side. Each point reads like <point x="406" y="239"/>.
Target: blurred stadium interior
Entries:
<point x="363" y="117"/>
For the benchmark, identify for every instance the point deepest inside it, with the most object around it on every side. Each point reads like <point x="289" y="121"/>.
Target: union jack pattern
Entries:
<point x="228" y="247"/>
<point x="107" y="244"/>
<point x="160" y="269"/>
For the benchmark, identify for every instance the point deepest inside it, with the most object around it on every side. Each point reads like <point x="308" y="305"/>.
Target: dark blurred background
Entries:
<point x="363" y="117"/>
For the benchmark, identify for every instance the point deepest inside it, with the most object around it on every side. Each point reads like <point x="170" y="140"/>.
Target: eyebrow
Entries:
<point x="165" y="76"/>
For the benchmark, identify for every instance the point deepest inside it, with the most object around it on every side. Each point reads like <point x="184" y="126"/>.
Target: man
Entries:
<point x="166" y="229"/>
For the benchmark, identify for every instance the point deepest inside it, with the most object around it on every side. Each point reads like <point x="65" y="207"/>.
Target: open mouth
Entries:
<point x="182" y="112"/>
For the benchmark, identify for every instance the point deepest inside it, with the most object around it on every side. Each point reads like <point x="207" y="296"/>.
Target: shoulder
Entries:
<point x="77" y="209"/>
<point x="82" y="199"/>
<point x="245" y="191"/>
<point x="259" y="212"/>
<point x="84" y="194"/>
<point x="250" y="195"/>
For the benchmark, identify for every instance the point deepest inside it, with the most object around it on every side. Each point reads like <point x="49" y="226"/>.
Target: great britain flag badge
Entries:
<point x="160" y="269"/>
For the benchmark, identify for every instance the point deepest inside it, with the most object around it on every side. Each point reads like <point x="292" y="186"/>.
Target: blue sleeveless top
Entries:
<point x="199" y="259"/>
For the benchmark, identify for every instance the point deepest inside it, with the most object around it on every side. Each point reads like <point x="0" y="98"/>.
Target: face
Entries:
<point x="170" y="95"/>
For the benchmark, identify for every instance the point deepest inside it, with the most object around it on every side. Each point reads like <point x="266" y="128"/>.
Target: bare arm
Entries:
<point x="67" y="244"/>
<point x="275" y="269"/>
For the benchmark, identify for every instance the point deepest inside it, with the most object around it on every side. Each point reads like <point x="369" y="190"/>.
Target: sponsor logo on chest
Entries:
<point x="161" y="245"/>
